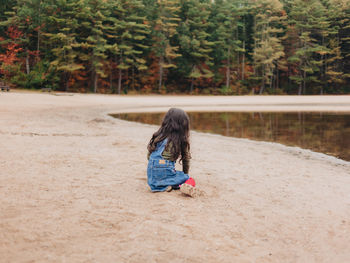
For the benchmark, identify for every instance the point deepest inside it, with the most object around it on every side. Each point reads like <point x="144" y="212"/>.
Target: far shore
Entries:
<point x="160" y="103"/>
<point x="73" y="185"/>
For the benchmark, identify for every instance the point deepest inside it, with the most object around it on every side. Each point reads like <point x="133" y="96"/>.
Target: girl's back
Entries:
<point x="169" y="143"/>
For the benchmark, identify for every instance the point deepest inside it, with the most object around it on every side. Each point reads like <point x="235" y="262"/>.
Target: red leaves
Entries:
<point x="14" y="33"/>
<point x="12" y="49"/>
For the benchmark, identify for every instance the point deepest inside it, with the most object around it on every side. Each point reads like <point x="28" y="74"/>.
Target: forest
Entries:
<point x="228" y="47"/>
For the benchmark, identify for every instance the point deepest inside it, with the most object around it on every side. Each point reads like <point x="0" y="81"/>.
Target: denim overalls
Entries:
<point x="161" y="173"/>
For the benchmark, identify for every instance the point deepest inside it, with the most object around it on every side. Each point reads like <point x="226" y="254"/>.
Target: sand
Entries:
<point x="73" y="186"/>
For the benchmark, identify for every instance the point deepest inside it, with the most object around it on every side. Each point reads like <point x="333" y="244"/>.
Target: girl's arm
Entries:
<point x="186" y="162"/>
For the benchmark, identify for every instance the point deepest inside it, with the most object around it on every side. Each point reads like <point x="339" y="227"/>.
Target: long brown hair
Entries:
<point x="176" y="128"/>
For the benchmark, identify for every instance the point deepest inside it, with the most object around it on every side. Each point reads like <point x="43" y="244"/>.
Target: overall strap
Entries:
<point x="159" y="150"/>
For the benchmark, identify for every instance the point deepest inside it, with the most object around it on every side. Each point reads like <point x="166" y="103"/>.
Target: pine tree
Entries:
<point x="94" y="15"/>
<point x="127" y="33"/>
<point x="332" y="75"/>
<point x="164" y="30"/>
<point x="6" y="6"/>
<point x="63" y="38"/>
<point x="309" y="22"/>
<point x="344" y="39"/>
<point x="226" y="27"/>
<point x="268" y="48"/>
<point x="205" y="43"/>
<point x="195" y="47"/>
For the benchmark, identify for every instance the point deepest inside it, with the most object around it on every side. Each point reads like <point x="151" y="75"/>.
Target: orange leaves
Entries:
<point x="12" y="49"/>
<point x="14" y="33"/>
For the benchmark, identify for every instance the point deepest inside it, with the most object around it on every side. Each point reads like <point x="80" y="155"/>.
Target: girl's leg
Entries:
<point x="189" y="181"/>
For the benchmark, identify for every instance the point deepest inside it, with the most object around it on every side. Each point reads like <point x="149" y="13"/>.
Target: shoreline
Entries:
<point x="291" y="148"/>
<point x="73" y="187"/>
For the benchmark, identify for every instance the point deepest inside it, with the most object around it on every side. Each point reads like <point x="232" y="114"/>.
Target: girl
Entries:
<point x="169" y="143"/>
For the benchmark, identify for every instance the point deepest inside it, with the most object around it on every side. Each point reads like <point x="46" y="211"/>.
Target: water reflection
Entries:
<point x="322" y="132"/>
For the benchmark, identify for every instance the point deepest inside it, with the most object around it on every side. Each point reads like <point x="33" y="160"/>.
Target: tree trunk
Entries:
<point x="38" y="43"/>
<point x="160" y="74"/>
<point x="263" y="82"/>
<point x="289" y="73"/>
<point x="304" y="82"/>
<point x="300" y="84"/>
<point x="133" y="78"/>
<point x="254" y="55"/>
<point x="262" y="86"/>
<point x="271" y="81"/>
<point x="95" y="81"/>
<point x="228" y="69"/>
<point x="227" y="76"/>
<point x="243" y="61"/>
<point x="38" y="34"/>
<point x="27" y="62"/>
<point x="119" y="80"/>
<point x="192" y="83"/>
<point x="238" y="59"/>
<point x="324" y="69"/>
<point x="111" y="80"/>
<point x="67" y="81"/>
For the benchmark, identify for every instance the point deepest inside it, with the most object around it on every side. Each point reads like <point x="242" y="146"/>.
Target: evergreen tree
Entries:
<point x="332" y="75"/>
<point x="93" y="17"/>
<point x="268" y="48"/>
<point x="302" y="46"/>
<point x="63" y="38"/>
<point x="6" y="6"/>
<point x="309" y="22"/>
<point x="195" y="47"/>
<point x="164" y="30"/>
<point x="128" y="32"/>
<point x="226" y="23"/>
<point x="344" y="39"/>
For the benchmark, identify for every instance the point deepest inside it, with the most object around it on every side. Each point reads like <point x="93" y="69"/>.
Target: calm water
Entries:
<point x="321" y="132"/>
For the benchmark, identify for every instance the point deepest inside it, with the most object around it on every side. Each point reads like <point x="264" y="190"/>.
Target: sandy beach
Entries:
<point x="73" y="186"/>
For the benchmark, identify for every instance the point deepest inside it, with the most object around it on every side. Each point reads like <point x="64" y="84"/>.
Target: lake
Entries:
<point x="318" y="131"/>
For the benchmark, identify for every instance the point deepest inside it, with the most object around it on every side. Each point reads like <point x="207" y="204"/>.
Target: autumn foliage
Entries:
<point x="11" y="52"/>
<point x="228" y="47"/>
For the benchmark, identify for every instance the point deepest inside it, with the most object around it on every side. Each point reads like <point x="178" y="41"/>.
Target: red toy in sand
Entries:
<point x="190" y="182"/>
